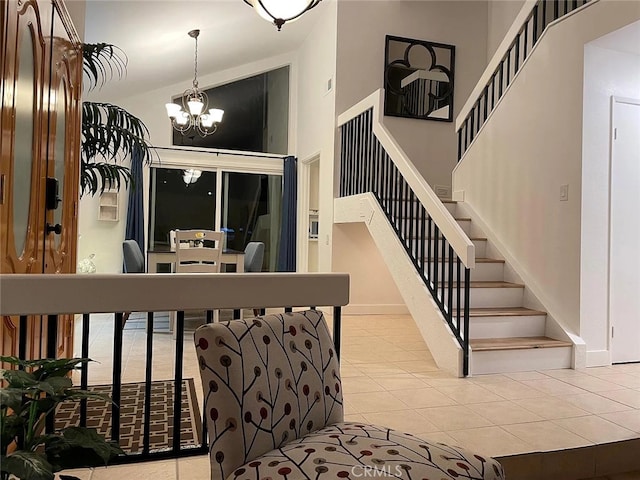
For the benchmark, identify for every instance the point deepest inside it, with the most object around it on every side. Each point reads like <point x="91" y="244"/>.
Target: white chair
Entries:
<point x="197" y="251"/>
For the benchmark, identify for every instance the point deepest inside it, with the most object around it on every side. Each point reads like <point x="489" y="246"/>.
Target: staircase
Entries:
<point x="474" y="317"/>
<point x="505" y="336"/>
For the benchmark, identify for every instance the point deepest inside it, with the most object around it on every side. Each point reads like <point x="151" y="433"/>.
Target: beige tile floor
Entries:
<point x="390" y="378"/>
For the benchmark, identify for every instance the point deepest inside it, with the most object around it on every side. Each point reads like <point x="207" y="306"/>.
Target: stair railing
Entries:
<point x="499" y="74"/>
<point x="442" y="254"/>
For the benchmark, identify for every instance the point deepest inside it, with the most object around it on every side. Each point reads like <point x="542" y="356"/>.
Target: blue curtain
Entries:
<point x="287" y="253"/>
<point x="135" y="211"/>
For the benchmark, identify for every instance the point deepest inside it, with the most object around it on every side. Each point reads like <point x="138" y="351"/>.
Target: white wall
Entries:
<point x="501" y="14"/>
<point x="373" y="289"/>
<point x="607" y="73"/>
<point x="531" y="145"/>
<point x="316" y="60"/>
<point x="362" y="26"/>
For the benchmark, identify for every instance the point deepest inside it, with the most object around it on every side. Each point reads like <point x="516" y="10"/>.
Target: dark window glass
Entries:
<point x="178" y="205"/>
<point x="256" y="115"/>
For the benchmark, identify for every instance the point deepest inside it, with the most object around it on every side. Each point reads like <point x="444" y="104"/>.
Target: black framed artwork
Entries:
<point x="418" y="79"/>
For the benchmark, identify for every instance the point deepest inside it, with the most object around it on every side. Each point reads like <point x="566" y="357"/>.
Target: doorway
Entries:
<point x="624" y="240"/>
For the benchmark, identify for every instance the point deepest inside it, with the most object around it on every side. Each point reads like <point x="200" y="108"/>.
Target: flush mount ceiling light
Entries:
<point x="281" y="11"/>
<point x="195" y="112"/>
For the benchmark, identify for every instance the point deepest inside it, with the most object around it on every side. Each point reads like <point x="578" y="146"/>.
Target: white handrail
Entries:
<point x="451" y="230"/>
<point x="42" y="294"/>
<point x="493" y="64"/>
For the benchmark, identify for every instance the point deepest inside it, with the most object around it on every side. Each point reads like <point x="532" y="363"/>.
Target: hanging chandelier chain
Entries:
<point x="195" y="67"/>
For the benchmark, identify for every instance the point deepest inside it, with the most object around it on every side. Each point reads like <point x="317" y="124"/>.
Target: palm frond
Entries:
<point x="101" y="62"/>
<point x="100" y="176"/>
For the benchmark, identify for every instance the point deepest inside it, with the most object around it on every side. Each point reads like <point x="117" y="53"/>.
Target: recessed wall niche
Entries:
<point x="418" y="79"/>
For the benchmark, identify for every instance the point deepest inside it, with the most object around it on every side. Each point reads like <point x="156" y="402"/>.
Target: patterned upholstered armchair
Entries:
<point x="273" y="402"/>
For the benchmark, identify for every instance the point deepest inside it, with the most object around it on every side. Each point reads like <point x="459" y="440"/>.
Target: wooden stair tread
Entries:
<point x="504" y="312"/>
<point x="495" y="284"/>
<point x="478" y="260"/>
<point x="516" y="343"/>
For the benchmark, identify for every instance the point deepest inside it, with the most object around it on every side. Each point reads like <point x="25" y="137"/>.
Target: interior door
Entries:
<point x="62" y="160"/>
<point x="624" y="301"/>
<point x="28" y="155"/>
<point x="25" y="25"/>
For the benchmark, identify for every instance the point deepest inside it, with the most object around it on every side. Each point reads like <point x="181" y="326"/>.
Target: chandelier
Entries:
<point x="195" y="112"/>
<point x="281" y="11"/>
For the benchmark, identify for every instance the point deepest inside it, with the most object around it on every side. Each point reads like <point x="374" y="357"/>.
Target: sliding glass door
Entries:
<point x="250" y="207"/>
<point x="251" y="212"/>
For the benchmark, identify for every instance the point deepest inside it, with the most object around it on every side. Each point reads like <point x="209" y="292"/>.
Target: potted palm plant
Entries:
<point x="28" y="395"/>
<point x="110" y="134"/>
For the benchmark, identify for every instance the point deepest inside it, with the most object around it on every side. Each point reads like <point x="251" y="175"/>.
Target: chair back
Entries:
<point x="133" y="257"/>
<point x="253" y="256"/>
<point x="201" y="258"/>
<point x="267" y="381"/>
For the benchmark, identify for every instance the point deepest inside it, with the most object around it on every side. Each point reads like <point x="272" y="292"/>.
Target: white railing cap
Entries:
<point x="43" y="294"/>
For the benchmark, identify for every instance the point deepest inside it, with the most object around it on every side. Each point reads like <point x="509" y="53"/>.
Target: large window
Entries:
<point x="249" y="203"/>
<point x="256" y="115"/>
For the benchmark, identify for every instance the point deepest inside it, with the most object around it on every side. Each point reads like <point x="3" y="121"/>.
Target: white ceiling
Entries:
<point x="153" y="35"/>
<point x="625" y="40"/>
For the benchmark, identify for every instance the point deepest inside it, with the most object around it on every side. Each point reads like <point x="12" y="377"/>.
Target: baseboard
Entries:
<point x="598" y="358"/>
<point x="367" y="309"/>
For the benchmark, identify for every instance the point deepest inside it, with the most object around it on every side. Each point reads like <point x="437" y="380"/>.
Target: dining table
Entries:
<point x="159" y="255"/>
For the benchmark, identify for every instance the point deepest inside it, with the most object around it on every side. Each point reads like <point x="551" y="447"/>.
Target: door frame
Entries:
<point x="304" y="183"/>
<point x="610" y="323"/>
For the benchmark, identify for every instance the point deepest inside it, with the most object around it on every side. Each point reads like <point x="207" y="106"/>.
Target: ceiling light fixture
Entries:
<point x="281" y="11"/>
<point x="195" y="112"/>
<point x="191" y="175"/>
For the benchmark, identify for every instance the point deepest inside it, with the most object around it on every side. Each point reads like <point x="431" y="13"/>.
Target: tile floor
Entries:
<point x="390" y="378"/>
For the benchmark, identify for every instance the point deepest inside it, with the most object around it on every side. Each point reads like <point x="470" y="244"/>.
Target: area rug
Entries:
<point x="132" y="415"/>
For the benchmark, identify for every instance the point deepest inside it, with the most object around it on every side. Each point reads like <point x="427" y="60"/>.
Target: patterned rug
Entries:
<point x="132" y="415"/>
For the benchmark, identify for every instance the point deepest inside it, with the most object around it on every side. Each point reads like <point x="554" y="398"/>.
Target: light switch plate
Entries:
<point x="564" y="193"/>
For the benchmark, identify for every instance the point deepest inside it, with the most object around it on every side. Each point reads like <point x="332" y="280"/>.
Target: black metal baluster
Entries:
<point x="465" y="348"/>
<point x="443" y="283"/>
<point x="517" y="53"/>
<point x="556" y="9"/>
<point x="508" y="67"/>
<point x="337" y="324"/>
<point x="429" y="245"/>
<point x="526" y="42"/>
<point x="118" y="325"/>
<point x="450" y="292"/>
<point x="22" y="338"/>
<point x="177" y="387"/>
<point x="473" y="114"/>
<point x="342" y="161"/>
<point x="436" y="243"/>
<point x="458" y="305"/>
<point x="534" y="38"/>
<point x="146" y="431"/>
<point x="500" y="80"/>
<point x="486" y="102"/>
<point x="422" y="239"/>
<point x="544" y="15"/>
<point x="84" y="368"/>
<point x="411" y="221"/>
<point x="52" y="347"/>
<point x="209" y="315"/>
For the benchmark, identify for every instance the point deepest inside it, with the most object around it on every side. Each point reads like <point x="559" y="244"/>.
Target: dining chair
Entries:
<point x="197" y="251"/>
<point x="253" y="259"/>
<point x="273" y="401"/>
<point x="133" y="262"/>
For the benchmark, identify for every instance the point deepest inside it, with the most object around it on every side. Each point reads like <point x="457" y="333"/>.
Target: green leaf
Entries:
<point x="12" y="398"/>
<point x="27" y="465"/>
<point x="78" y="448"/>
<point x="19" y="378"/>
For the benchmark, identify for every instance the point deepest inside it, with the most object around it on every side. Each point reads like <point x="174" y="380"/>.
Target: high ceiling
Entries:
<point x="153" y="35"/>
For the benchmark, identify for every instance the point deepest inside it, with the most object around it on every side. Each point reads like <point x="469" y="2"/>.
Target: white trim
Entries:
<point x="434" y="206"/>
<point x="206" y="159"/>
<point x="304" y="173"/>
<point x="598" y="358"/>
<point x="376" y="309"/>
<point x="100" y="293"/>
<point x="501" y="51"/>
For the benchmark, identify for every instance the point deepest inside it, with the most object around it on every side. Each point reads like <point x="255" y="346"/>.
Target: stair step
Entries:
<point x="516" y="343"/>
<point x="504" y="312"/>
<point x="486" y="270"/>
<point x="495" y="284"/>
<point x="478" y="260"/>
